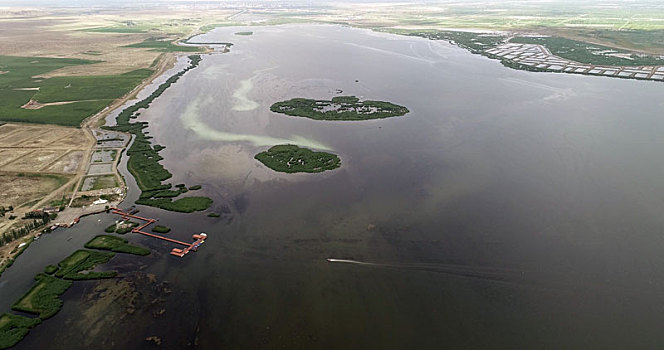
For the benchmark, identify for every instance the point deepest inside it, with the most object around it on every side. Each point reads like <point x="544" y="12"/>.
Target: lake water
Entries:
<point x="507" y="209"/>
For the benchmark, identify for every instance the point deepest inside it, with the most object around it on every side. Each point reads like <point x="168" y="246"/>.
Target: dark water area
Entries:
<point x="508" y="209"/>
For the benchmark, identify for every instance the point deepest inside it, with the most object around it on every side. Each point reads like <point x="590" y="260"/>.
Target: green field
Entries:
<point x="43" y="298"/>
<point x="632" y="39"/>
<point x="293" y="159"/>
<point x="97" y="87"/>
<point x="13" y="328"/>
<point x="18" y="71"/>
<point x="83" y="260"/>
<point x="87" y="94"/>
<point x="163" y="45"/>
<point x="115" y="244"/>
<point x="339" y="108"/>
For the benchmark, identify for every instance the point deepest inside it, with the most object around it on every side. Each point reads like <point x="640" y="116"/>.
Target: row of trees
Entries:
<point x="23" y="231"/>
<point x="37" y="214"/>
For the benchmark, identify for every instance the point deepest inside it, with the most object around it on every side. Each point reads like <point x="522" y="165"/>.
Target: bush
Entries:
<point x="115" y="244"/>
<point x="43" y="298"/>
<point x="14" y="328"/>
<point x="161" y="229"/>
<point x="339" y="108"/>
<point x="82" y="260"/>
<point x="183" y="205"/>
<point x="293" y="159"/>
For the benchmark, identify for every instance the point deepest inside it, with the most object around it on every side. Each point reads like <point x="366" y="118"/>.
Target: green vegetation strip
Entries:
<point x="293" y="159"/>
<point x="471" y="41"/>
<point x="164" y="45"/>
<point x="183" y="205"/>
<point x="85" y="95"/>
<point x="339" y="108"/>
<point x="82" y="260"/>
<point x="43" y="298"/>
<point x="115" y="244"/>
<point x="125" y="29"/>
<point x="13" y="328"/>
<point x="144" y="158"/>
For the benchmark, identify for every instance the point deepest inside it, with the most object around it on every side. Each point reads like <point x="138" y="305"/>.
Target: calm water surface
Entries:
<point x="508" y="209"/>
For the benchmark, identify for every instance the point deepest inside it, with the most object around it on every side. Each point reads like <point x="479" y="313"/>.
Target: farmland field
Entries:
<point x="57" y="100"/>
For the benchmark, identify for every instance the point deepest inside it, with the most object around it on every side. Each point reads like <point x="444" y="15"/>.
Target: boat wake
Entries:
<point x="475" y="272"/>
<point x="345" y="261"/>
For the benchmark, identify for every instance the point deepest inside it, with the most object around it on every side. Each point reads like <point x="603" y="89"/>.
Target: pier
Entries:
<point x="199" y="238"/>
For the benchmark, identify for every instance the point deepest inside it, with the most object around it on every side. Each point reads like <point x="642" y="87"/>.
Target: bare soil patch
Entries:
<point x="69" y="163"/>
<point x="34" y="161"/>
<point x="76" y="140"/>
<point x="9" y="155"/>
<point x="32" y="104"/>
<point x="43" y="137"/>
<point x="17" y="190"/>
<point x="8" y="128"/>
<point x="15" y="138"/>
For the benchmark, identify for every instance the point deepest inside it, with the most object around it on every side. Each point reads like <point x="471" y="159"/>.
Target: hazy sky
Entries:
<point x="143" y="3"/>
<point x="111" y="3"/>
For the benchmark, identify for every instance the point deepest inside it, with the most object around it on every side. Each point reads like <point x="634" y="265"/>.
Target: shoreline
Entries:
<point x="11" y="251"/>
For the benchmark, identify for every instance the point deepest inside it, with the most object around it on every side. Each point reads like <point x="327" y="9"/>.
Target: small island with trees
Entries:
<point x="339" y="108"/>
<point x="294" y="159"/>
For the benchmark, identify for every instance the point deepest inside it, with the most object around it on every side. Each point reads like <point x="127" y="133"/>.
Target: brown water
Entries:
<point x="508" y="209"/>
